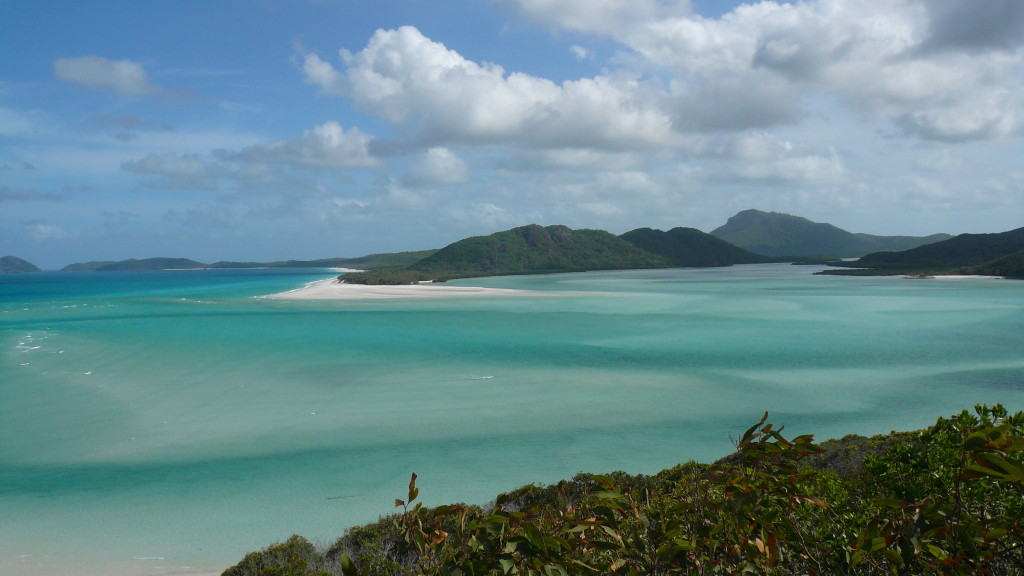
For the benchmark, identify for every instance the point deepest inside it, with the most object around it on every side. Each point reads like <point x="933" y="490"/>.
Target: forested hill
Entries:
<point x="962" y="250"/>
<point x="145" y="264"/>
<point x="775" y="234"/>
<point x="15" y="265"/>
<point x="369" y="261"/>
<point x="536" y="249"/>
<point x="689" y="247"/>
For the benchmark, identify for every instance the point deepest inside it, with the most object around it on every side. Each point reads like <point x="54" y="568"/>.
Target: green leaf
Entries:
<point x="348" y="568"/>
<point x="937" y="552"/>
<point x="533" y="536"/>
<point x="413" y="490"/>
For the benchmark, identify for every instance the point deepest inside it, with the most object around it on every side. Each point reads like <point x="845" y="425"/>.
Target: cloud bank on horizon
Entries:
<point x="302" y="129"/>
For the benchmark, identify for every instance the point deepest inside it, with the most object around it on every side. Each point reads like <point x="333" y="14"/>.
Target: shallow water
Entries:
<point x="161" y="422"/>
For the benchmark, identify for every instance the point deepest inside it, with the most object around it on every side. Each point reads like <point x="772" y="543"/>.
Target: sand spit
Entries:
<point x="332" y="289"/>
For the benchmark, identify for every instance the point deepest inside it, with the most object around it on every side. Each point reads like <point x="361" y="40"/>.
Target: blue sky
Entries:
<point x="276" y="129"/>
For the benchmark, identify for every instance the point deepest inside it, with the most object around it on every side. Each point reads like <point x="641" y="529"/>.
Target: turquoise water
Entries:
<point x="167" y="422"/>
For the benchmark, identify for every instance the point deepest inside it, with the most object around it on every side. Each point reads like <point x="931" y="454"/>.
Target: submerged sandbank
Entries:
<point x="332" y="289"/>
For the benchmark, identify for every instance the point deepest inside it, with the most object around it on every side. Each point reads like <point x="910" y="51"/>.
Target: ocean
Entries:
<point x="158" y="423"/>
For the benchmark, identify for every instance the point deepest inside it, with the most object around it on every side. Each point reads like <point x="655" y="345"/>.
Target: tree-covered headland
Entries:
<point x="945" y="500"/>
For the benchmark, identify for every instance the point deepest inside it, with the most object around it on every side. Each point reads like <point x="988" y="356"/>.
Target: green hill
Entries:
<point x="1011" y="266"/>
<point x="133" y="265"/>
<point x="15" y="265"/>
<point x="90" y="266"/>
<point x="962" y="250"/>
<point x="370" y="261"/>
<point x="689" y="247"/>
<point x="775" y="234"/>
<point x="536" y="249"/>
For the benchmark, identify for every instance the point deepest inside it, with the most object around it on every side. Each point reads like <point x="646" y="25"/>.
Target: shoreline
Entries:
<point x="333" y="289"/>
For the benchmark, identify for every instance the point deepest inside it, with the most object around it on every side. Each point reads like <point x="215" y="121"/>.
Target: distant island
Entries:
<point x="750" y="236"/>
<point x="153" y="264"/>
<point x="999" y="254"/>
<point x="535" y="249"/>
<point x="15" y="265"/>
<point x="783" y="235"/>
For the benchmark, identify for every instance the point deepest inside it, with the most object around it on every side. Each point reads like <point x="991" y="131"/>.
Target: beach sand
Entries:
<point x="332" y="289"/>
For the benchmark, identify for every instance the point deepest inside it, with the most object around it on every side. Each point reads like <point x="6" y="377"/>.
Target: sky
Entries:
<point x="300" y="129"/>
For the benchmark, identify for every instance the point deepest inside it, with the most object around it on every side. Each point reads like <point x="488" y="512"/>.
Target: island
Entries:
<point x="788" y="236"/>
<point x="15" y="265"/>
<point x="536" y="249"/>
<point x="998" y="254"/>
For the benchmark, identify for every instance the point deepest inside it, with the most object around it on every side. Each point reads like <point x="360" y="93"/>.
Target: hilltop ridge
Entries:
<point x="998" y="254"/>
<point x="15" y="265"/>
<point x="777" y="234"/>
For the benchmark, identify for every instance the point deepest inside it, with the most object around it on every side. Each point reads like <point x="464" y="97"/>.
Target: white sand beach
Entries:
<point x="332" y="289"/>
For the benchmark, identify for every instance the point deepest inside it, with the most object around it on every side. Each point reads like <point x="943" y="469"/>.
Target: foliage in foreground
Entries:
<point x="946" y="500"/>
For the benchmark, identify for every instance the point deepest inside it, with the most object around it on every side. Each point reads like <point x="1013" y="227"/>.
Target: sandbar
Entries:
<point x="332" y="289"/>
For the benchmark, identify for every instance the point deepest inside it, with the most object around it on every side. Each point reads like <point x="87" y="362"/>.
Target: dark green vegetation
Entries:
<point x="997" y="254"/>
<point x="90" y="266"/>
<point x="1011" y="266"/>
<point x="15" y="265"/>
<point x="537" y="249"/>
<point x="748" y="237"/>
<point x="133" y="265"/>
<point x="370" y="261"/>
<point x="689" y="247"/>
<point x="945" y="500"/>
<point x="775" y="234"/>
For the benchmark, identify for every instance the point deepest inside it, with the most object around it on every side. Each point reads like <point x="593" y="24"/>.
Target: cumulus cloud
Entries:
<point x="439" y="97"/>
<point x="437" y="166"/>
<point x="598" y="16"/>
<point x="288" y="167"/>
<point x="755" y="66"/>
<point x="41" y="232"/>
<point x="180" y="170"/>
<point x="325" y="146"/>
<point x="974" y="25"/>
<point x="570" y="159"/>
<point x="580" y="52"/>
<point x="122" y="77"/>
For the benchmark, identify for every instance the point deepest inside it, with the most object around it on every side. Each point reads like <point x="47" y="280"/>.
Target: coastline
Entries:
<point x="333" y="289"/>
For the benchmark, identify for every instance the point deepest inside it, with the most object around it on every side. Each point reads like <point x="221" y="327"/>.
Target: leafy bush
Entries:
<point x="946" y="500"/>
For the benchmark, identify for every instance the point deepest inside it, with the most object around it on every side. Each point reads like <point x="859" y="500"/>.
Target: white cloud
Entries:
<point x="43" y="232"/>
<point x="437" y="166"/>
<point x="122" y="77"/>
<point x="974" y="25"/>
<point x="808" y="169"/>
<point x="439" y="98"/>
<point x="183" y="170"/>
<point x="947" y="70"/>
<point x="599" y="16"/>
<point x="325" y="146"/>
<point x="580" y="52"/>
<point x="574" y="159"/>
